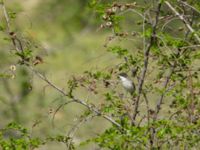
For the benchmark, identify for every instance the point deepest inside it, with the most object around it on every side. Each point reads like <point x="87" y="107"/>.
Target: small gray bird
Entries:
<point x="127" y="83"/>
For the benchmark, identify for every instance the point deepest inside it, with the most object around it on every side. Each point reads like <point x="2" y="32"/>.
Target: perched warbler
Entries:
<point x="127" y="83"/>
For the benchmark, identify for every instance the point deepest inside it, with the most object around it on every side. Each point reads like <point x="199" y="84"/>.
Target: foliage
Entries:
<point x="14" y="136"/>
<point x="173" y="57"/>
<point x="163" y="112"/>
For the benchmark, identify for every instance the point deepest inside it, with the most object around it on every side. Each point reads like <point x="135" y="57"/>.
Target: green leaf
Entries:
<point x="118" y="50"/>
<point x="148" y="33"/>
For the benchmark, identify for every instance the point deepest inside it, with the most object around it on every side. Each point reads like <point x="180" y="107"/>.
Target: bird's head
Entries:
<point x="123" y="75"/>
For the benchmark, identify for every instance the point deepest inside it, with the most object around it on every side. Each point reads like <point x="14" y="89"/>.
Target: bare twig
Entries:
<point x="158" y="106"/>
<point x="191" y="46"/>
<point x="59" y="107"/>
<point x="175" y="113"/>
<point x="6" y="15"/>
<point x="184" y="20"/>
<point x="76" y="127"/>
<point x="41" y="76"/>
<point x="191" y="105"/>
<point x="11" y="34"/>
<point x="147" y="107"/>
<point x="169" y="21"/>
<point x="186" y="4"/>
<point x="160" y="100"/>
<point x="146" y="62"/>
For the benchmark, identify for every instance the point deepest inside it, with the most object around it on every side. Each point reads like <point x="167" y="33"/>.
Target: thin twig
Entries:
<point x="184" y="20"/>
<point x="59" y="107"/>
<point x="160" y="100"/>
<point x="158" y="106"/>
<point x="6" y="15"/>
<point x="146" y="62"/>
<point x="186" y="4"/>
<point x="76" y="127"/>
<point x="147" y="107"/>
<point x="11" y="34"/>
<point x="191" y="46"/>
<point x="82" y="102"/>
<point x="191" y="103"/>
<point x="175" y="113"/>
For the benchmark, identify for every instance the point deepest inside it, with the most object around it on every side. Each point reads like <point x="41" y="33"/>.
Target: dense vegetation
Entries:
<point x="156" y="42"/>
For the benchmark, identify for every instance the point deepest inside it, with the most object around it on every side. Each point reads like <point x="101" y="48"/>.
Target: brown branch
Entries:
<point x="146" y="62"/>
<point x="82" y="102"/>
<point x="147" y="107"/>
<point x="184" y="20"/>
<point x="191" y="105"/>
<point x="11" y="34"/>
<point x="160" y="100"/>
<point x="76" y="127"/>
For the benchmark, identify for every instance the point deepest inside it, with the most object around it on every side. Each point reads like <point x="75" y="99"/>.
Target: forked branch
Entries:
<point x="181" y="17"/>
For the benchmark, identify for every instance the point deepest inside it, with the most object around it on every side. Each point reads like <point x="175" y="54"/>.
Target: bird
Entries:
<point x="127" y="83"/>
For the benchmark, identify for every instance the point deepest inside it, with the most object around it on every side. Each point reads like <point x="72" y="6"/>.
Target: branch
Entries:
<point x="82" y="102"/>
<point x="76" y="127"/>
<point x="147" y="107"/>
<point x="6" y="15"/>
<point x="186" y="4"/>
<point x="158" y="106"/>
<point x="11" y="34"/>
<point x="14" y="39"/>
<point x="191" y="103"/>
<point x="160" y="100"/>
<point x="59" y="107"/>
<point x="146" y="62"/>
<point x="184" y="20"/>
